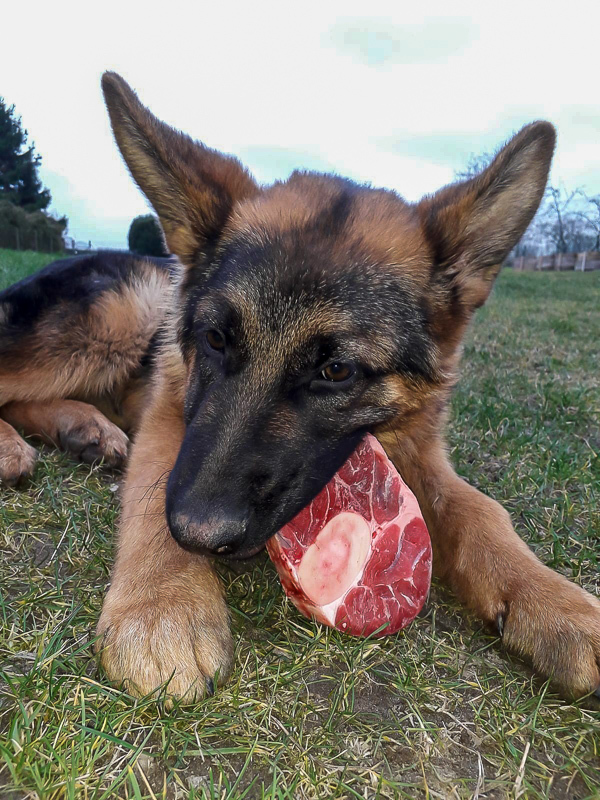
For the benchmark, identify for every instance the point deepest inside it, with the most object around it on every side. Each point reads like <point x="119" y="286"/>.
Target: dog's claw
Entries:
<point x="500" y="624"/>
<point x="210" y="686"/>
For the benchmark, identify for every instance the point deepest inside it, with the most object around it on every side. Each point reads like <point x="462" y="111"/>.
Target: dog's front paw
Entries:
<point x="556" y="625"/>
<point x="17" y="460"/>
<point x="184" y="646"/>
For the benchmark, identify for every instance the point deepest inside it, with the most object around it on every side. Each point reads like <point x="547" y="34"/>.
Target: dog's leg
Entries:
<point x="538" y="613"/>
<point x="17" y="458"/>
<point x="164" y="617"/>
<point x="79" y="428"/>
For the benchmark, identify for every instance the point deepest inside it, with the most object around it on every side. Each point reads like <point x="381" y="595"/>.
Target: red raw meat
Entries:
<point x="358" y="558"/>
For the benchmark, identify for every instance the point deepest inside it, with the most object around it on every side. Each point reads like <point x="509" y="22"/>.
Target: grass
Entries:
<point x="439" y="711"/>
<point x="17" y="264"/>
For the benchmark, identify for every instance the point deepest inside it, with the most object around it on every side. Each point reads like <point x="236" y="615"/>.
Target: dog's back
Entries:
<point x="81" y="326"/>
<point x="77" y="343"/>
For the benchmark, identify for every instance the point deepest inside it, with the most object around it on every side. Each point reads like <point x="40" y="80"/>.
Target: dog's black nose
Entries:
<point x="215" y="535"/>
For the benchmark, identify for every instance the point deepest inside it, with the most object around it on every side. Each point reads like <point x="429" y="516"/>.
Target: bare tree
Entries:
<point x="591" y="216"/>
<point x="559" y="202"/>
<point x="563" y="224"/>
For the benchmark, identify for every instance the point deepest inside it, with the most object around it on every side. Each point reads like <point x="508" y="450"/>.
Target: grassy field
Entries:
<point x="439" y="711"/>
<point x="15" y="265"/>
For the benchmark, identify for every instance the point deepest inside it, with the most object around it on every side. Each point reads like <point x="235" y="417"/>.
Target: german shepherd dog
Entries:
<point x="295" y="318"/>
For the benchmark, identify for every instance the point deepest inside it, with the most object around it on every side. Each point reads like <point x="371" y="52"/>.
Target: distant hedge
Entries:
<point x="30" y="230"/>
<point x="145" y="237"/>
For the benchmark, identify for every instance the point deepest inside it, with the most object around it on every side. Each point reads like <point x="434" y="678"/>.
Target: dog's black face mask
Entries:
<point x="290" y="353"/>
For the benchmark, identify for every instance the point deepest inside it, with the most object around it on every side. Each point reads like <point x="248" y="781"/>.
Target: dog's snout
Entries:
<point x="214" y="535"/>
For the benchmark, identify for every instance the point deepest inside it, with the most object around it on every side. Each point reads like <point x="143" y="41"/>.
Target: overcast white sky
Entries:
<point x="378" y="91"/>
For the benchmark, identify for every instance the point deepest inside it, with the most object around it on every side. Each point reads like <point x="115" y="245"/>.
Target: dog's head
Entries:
<point x="310" y="312"/>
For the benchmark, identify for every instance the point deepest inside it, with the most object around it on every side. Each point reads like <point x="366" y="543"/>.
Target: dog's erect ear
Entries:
<point x="472" y="226"/>
<point x="192" y="188"/>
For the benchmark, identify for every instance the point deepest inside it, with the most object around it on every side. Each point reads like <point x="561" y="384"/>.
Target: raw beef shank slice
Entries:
<point x="358" y="558"/>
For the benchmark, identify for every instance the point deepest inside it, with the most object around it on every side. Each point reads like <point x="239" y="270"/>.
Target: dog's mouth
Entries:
<point x="224" y="554"/>
<point x="242" y="555"/>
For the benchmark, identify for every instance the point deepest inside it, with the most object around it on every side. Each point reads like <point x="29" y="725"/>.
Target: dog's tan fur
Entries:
<point x="164" y="617"/>
<point x="477" y="553"/>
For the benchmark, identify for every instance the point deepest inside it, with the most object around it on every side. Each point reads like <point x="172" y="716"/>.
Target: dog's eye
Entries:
<point x="215" y="340"/>
<point x="337" y="372"/>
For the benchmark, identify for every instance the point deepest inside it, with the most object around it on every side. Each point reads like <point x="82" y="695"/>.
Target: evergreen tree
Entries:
<point x="19" y="181"/>
<point x="145" y="236"/>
